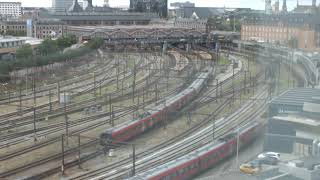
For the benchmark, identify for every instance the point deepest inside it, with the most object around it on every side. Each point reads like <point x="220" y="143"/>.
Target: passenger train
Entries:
<point x="156" y="115"/>
<point x="205" y="157"/>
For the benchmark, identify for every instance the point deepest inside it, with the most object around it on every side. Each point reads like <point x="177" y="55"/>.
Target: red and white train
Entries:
<point x="157" y="114"/>
<point x="200" y="160"/>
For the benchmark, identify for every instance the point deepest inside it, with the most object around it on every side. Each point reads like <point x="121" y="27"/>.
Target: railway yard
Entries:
<point x="141" y="114"/>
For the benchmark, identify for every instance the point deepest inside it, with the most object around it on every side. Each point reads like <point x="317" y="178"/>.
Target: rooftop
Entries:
<point x="297" y="97"/>
<point x="28" y="40"/>
<point x="10" y="39"/>
<point x="292" y="18"/>
<point x="298" y="119"/>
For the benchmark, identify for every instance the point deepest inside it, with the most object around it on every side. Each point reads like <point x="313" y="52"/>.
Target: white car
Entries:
<point x="269" y="155"/>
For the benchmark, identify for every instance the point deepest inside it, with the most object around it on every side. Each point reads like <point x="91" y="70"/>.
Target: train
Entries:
<point x="156" y="115"/>
<point x="192" y="164"/>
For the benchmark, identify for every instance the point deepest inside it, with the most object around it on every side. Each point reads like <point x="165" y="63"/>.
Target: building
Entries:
<point x="294" y="122"/>
<point x="283" y="28"/>
<point x="41" y="29"/>
<point x="268" y="7"/>
<point x="179" y="8"/>
<point x="61" y="5"/>
<point x="159" y="7"/>
<point x="307" y="9"/>
<point x="276" y="7"/>
<point x="104" y="18"/>
<point x="202" y="12"/>
<point x="12" y="9"/>
<point x="136" y="34"/>
<point x="75" y="7"/>
<point x="191" y="23"/>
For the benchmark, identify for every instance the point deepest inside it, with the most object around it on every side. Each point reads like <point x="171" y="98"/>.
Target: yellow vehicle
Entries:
<point x="248" y="168"/>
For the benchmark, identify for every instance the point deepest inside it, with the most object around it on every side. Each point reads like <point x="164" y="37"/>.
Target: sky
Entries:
<point x="255" y="4"/>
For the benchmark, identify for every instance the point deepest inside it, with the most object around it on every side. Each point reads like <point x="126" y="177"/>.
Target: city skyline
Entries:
<point x="200" y="3"/>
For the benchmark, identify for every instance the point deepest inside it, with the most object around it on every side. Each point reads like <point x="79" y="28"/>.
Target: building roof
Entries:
<point x="10" y="39"/>
<point x="297" y="97"/>
<point x="103" y="16"/>
<point x="10" y="3"/>
<point x="298" y="120"/>
<point x="203" y="12"/>
<point x="291" y="18"/>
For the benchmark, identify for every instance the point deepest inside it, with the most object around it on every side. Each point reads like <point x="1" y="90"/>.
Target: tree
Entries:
<point x="24" y="52"/>
<point x="293" y="42"/>
<point x="47" y="47"/>
<point x="95" y="43"/>
<point x="64" y="42"/>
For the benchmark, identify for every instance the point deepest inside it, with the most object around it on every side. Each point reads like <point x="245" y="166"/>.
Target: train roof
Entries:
<point x="167" y="101"/>
<point x="191" y="156"/>
<point x="180" y="161"/>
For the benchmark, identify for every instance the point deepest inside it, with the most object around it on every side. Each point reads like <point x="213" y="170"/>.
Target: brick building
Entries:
<point x="282" y="29"/>
<point x="40" y="29"/>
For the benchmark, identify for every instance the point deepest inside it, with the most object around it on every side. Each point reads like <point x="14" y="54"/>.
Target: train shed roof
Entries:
<point x="297" y="97"/>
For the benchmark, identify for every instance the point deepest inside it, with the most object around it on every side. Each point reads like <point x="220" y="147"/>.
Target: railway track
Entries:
<point x="116" y="99"/>
<point x="54" y="170"/>
<point x="32" y="148"/>
<point x="90" y="86"/>
<point x="112" y="169"/>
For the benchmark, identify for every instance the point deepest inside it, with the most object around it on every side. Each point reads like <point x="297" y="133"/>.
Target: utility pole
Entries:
<point x="133" y="159"/>
<point x="143" y="100"/>
<point x="58" y="87"/>
<point x="94" y="85"/>
<point x="66" y="116"/>
<point x="34" y="124"/>
<point x="134" y="81"/>
<point x="20" y="100"/>
<point x="50" y="101"/>
<point x="213" y="127"/>
<point x="237" y="159"/>
<point x="217" y="90"/>
<point x="34" y="93"/>
<point x="79" y="150"/>
<point x="112" y="116"/>
<point x="110" y="108"/>
<point x="62" y="152"/>
<point x="156" y="93"/>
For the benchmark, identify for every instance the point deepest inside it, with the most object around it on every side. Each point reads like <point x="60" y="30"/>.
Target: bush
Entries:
<point x="48" y="53"/>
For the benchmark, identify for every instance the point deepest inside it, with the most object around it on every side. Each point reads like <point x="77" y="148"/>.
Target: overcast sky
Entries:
<point x="255" y="4"/>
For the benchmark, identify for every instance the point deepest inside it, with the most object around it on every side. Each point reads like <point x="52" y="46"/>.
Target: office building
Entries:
<point x="61" y="5"/>
<point x="10" y="9"/>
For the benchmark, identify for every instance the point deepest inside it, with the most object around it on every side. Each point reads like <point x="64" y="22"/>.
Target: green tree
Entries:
<point x="95" y="43"/>
<point x="293" y="42"/>
<point x="48" y="46"/>
<point x="64" y="42"/>
<point x="24" y="52"/>
<point x="4" y="71"/>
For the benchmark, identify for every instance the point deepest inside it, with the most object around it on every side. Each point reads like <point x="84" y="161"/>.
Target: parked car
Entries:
<point x="270" y="155"/>
<point x="248" y="168"/>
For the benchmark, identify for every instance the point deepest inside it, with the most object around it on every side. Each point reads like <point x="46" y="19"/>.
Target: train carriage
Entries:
<point x="155" y="115"/>
<point x="200" y="160"/>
